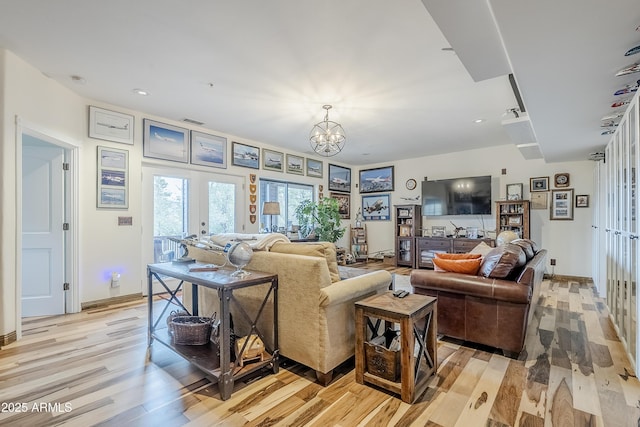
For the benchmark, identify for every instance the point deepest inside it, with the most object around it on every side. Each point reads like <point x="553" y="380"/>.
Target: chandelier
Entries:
<point x="327" y="137"/>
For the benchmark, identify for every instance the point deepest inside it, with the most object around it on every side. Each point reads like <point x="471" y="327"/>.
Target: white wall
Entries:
<point x="569" y="242"/>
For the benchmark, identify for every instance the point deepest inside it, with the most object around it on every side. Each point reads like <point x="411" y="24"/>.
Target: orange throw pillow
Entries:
<point x="464" y="266"/>
<point x="457" y="256"/>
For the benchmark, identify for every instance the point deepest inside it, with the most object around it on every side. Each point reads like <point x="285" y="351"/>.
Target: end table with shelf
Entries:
<point x="417" y="317"/>
<point x="219" y="368"/>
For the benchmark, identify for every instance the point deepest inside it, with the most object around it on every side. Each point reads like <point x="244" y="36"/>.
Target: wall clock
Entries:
<point x="411" y="184"/>
<point x="561" y="179"/>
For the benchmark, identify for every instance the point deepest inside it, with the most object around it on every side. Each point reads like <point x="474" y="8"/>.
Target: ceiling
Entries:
<point x="261" y="70"/>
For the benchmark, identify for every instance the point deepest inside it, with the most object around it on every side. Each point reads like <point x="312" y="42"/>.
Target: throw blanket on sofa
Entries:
<point x="258" y="242"/>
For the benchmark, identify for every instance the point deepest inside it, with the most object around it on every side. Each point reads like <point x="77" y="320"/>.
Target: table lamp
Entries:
<point x="271" y="208"/>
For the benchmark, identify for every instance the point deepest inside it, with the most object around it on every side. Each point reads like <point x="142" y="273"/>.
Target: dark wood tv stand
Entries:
<point x="427" y="247"/>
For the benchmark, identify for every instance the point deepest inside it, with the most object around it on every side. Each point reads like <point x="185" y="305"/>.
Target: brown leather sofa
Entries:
<point x="493" y="307"/>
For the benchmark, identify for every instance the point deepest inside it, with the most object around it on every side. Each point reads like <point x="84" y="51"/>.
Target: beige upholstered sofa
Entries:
<point x="315" y="307"/>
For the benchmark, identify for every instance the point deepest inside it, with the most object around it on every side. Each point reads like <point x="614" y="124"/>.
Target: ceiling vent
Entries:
<point x="193" y="122"/>
<point x="598" y="156"/>
<point x="519" y="129"/>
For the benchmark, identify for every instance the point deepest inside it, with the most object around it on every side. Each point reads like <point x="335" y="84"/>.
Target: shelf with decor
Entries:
<point x="359" y="248"/>
<point x="513" y="215"/>
<point x="408" y="223"/>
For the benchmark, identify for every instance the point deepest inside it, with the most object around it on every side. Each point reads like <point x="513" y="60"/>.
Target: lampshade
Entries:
<point x="327" y="137"/>
<point x="271" y="208"/>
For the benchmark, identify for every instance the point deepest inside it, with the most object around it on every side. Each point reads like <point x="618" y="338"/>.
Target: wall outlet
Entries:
<point x="115" y="279"/>
<point x="553" y="261"/>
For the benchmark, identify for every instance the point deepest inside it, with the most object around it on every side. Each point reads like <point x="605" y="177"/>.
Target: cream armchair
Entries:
<point x="316" y="325"/>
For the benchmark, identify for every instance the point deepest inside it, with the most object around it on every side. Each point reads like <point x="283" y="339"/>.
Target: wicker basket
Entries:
<point x="190" y="330"/>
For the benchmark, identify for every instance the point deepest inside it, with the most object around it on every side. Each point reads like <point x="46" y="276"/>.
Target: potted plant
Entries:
<point x="321" y="218"/>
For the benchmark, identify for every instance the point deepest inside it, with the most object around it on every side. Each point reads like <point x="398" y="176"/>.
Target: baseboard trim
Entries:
<point x="110" y="301"/>
<point x="580" y="279"/>
<point x="8" y="338"/>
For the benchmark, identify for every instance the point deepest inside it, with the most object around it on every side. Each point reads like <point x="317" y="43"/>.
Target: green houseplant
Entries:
<point x="321" y="217"/>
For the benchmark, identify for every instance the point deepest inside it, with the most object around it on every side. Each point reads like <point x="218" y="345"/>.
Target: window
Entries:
<point x="289" y="195"/>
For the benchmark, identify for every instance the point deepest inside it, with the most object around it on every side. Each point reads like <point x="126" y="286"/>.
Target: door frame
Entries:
<point x="71" y="188"/>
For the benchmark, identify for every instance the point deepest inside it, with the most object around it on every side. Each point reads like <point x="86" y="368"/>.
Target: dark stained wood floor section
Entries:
<point x="92" y="368"/>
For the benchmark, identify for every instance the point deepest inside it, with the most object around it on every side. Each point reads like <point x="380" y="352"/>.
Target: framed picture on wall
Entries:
<point x="165" y="142"/>
<point x="295" y="164"/>
<point x="208" y="150"/>
<point x="540" y="183"/>
<point x="314" y="168"/>
<point x="376" y="207"/>
<point x="376" y="180"/>
<point x="344" y="204"/>
<point x="245" y="155"/>
<point x="110" y="125"/>
<point x="562" y="204"/>
<point x="539" y="200"/>
<point x="113" y="178"/>
<point x="339" y="178"/>
<point x="582" y="201"/>
<point x="272" y="160"/>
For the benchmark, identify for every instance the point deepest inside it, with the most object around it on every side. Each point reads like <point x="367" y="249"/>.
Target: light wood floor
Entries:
<point x="92" y="368"/>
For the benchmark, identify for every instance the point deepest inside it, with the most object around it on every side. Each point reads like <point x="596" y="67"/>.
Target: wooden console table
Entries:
<point x="417" y="316"/>
<point x="224" y="371"/>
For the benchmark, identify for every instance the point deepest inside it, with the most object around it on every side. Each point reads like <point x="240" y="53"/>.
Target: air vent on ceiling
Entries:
<point x="597" y="156"/>
<point x="193" y="122"/>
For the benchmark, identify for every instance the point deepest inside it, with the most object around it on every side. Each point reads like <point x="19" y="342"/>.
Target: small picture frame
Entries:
<point x="561" y="204"/>
<point x="295" y="164"/>
<point x="344" y="204"/>
<point x="208" y="150"/>
<point x="376" y="207"/>
<point x="540" y="200"/>
<point x="515" y="220"/>
<point x="314" y="168"/>
<point x="514" y="191"/>
<point x="540" y="183"/>
<point x="246" y="156"/>
<point x="339" y="178"/>
<point x="272" y="160"/>
<point x="582" y="201"/>
<point x="165" y="142"/>
<point x="110" y="125"/>
<point x="376" y="180"/>
<point x="472" y="232"/>
<point x="438" y="231"/>
<point x="113" y="178"/>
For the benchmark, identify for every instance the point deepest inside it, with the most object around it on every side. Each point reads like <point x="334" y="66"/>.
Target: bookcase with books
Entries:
<point x="359" y="248"/>
<point x="408" y="226"/>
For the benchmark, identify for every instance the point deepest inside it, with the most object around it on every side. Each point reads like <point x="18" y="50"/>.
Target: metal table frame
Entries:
<point x="227" y="371"/>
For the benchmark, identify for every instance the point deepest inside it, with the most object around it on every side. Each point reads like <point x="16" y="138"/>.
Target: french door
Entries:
<point x="180" y="203"/>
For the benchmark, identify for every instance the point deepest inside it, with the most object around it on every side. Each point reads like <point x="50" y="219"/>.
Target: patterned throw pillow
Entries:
<point x="464" y="266"/>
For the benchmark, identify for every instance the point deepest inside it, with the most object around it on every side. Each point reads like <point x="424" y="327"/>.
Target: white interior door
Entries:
<point x="42" y="233"/>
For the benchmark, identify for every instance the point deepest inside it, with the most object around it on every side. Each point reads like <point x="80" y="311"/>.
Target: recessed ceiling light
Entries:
<point x="141" y="92"/>
<point x="78" y="79"/>
<point x="478" y="121"/>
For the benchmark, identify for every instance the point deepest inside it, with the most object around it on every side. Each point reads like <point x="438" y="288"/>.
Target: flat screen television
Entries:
<point x="459" y="196"/>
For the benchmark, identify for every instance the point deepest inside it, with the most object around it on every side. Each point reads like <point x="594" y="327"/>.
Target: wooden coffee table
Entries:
<point x="417" y="316"/>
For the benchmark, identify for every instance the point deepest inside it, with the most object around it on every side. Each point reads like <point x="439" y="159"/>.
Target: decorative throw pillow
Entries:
<point x="526" y="247"/>
<point x="482" y="248"/>
<point x="534" y="245"/>
<point x="501" y="261"/>
<point x="321" y="249"/>
<point x="443" y="255"/>
<point x="464" y="266"/>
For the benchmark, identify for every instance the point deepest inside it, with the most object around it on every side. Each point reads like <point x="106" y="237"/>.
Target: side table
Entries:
<point x="417" y="317"/>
